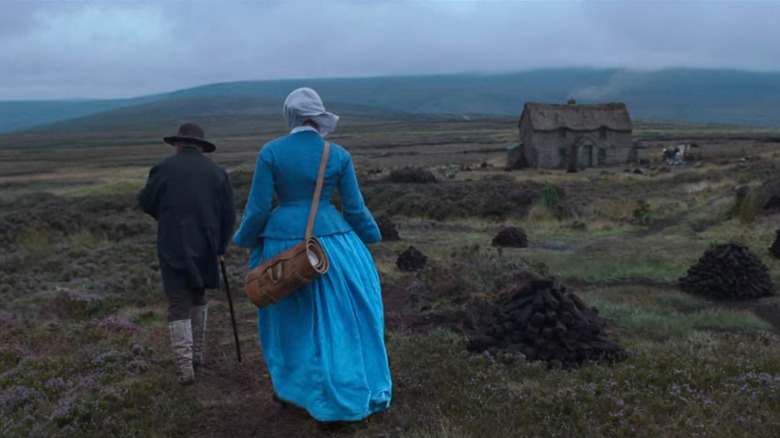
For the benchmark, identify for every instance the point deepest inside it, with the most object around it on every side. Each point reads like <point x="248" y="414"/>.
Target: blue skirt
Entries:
<point x="324" y="344"/>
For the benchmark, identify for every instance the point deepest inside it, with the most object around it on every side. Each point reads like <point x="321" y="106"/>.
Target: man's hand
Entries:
<point x="222" y="257"/>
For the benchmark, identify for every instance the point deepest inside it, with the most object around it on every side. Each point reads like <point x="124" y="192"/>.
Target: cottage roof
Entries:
<point x="549" y="117"/>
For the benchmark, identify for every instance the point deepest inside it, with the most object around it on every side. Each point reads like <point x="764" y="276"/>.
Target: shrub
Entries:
<point x="642" y="212"/>
<point x="495" y="200"/>
<point x="550" y="197"/>
<point x="750" y="202"/>
<point x="514" y="237"/>
<point x="387" y="229"/>
<point x="748" y="207"/>
<point x="411" y="175"/>
<point x="37" y="241"/>
<point x="241" y="180"/>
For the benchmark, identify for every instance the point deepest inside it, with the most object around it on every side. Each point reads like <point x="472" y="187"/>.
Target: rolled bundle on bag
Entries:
<point x="287" y="272"/>
<point x="317" y="257"/>
<point x="312" y="258"/>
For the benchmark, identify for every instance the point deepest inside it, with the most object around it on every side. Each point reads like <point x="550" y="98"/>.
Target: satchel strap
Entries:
<point x="317" y="190"/>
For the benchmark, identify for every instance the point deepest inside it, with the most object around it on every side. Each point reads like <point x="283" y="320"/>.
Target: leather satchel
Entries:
<point x="294" y="267"/>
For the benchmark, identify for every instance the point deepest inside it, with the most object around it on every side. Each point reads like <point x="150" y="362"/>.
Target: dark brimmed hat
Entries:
<point x="191" y="133"/>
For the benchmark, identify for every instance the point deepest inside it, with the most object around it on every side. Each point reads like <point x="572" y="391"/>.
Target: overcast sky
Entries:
<point x="71" y="49"/>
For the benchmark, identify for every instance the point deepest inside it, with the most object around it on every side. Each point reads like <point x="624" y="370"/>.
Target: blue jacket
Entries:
<point x="288" y="166"/>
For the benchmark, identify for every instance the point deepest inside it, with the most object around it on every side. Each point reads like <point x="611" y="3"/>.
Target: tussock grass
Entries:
<point x="662" y="299"/>
<point x="616" y="210"/>
<point x="678" y="387"/>
<point x="540" y="213"/>
<point x="612" y="266"/>
<point x="114" y="188"/>
<point x="37" y="241"/>
<point x="709" y="215"/>
<point x="86" y="239"/>
<point x="542" y="231"/>
<point x="661" y="323"/>
<point x="497" y="200"/>
<point x="749" y="208"/>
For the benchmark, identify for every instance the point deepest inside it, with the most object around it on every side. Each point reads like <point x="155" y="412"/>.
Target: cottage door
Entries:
<point x="585" y="156"/>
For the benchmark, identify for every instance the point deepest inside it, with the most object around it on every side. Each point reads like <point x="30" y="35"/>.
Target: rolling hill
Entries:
<point x="221" y="116"/>
<point x="705" y="96"/>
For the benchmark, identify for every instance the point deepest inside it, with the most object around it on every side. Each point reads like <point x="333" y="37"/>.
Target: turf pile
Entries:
<point x="513" y="237"/>
<point x="543" y="322"/>
<point x="387" y="229"/>
<point x="728" y="272"/>
<point x="411" y="260"/>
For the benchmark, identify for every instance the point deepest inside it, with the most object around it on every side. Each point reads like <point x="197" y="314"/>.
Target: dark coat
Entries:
<point x="191" y="198"/>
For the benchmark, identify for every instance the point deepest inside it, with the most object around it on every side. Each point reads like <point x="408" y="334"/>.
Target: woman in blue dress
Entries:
<point x="324" y="344"/>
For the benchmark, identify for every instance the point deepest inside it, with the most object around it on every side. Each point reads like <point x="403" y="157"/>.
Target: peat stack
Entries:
<point x="411" y="260"/>
<point x="728" y="272"/>
<point x="544" y="322"/>
<point x="387" y="229"/>
<point x="775" y="248"/>
<point x="513" y="237"/>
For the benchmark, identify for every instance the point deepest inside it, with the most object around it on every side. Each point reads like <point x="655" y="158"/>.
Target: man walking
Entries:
<point x="191" y="199"/>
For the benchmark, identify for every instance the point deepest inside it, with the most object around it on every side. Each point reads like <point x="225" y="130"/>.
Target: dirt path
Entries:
<point x="236" y="398"/>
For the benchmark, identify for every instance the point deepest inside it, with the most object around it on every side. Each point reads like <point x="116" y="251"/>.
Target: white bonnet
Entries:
<point x="305" y="104"/>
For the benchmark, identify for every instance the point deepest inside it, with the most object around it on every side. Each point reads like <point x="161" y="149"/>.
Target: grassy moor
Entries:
<point x="84" y="348"/>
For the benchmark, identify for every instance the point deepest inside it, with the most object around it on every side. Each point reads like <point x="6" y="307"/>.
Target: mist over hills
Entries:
<point x="705" y="96"/>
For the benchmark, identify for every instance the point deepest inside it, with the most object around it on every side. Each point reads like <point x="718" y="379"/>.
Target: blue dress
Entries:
<point x="324" y="344"/>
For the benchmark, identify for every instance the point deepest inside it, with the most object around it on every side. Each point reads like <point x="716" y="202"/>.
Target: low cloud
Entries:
<point x="122" y="49"/>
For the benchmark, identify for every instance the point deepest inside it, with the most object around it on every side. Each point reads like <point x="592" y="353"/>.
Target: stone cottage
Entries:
<point x="572" y="136"/>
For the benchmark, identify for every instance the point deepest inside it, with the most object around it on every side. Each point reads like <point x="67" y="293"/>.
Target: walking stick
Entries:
<point x="230" y="303"/>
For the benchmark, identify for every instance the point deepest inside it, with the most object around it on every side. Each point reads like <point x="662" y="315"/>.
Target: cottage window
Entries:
<point x="561" y="132"/>
<point x="603" y="132"/>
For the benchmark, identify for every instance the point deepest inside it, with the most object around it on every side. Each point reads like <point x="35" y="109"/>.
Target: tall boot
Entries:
<point x="199" y="318"/>
<point x="181" y="340"/>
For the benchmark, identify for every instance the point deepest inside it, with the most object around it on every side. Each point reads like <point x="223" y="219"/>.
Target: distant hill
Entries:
<point x="222" y="116"/>
<point x="217" y="111"/>
<point x="18" y="115"/>
<point x="706" y="96"/>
